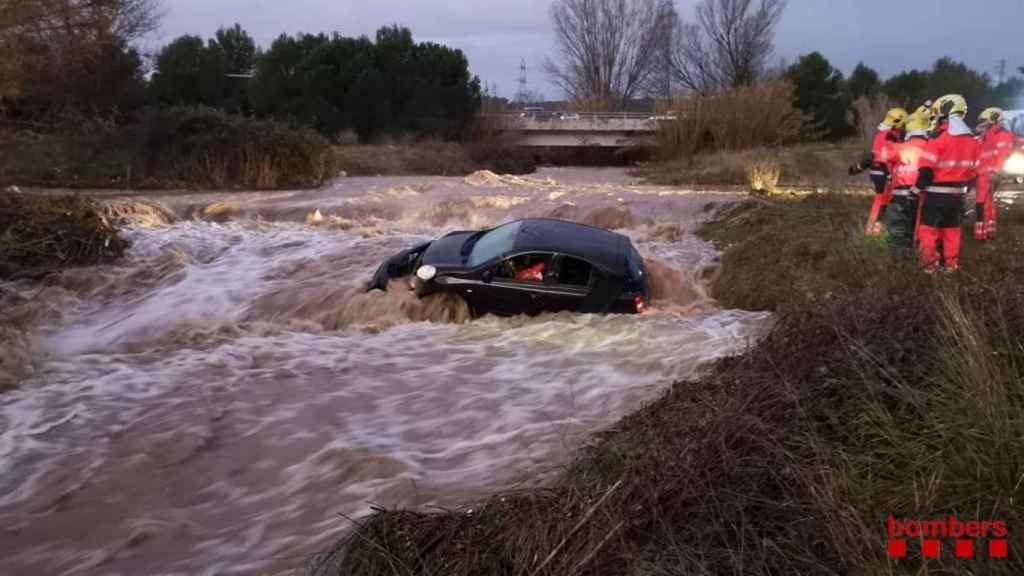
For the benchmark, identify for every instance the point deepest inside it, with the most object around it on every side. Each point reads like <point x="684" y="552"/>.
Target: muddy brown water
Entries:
<point x="215" y="403"/>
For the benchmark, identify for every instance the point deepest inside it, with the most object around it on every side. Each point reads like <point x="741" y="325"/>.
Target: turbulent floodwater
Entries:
<point x="217" y="401"/>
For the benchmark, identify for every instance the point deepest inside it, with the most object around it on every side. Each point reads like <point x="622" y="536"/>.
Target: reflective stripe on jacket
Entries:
<point x="952" y="159"/>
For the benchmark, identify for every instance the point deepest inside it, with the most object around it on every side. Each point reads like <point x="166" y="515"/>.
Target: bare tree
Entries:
<point x="44" y="41"/>
<point x="607" y="47"/>
<point x="728" y="46"/>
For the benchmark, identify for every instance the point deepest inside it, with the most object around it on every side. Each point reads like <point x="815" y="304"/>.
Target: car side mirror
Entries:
<point x="488" y="275"/>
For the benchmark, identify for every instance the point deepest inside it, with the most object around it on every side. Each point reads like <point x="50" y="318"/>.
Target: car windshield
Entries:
<point x="494" y="243"/>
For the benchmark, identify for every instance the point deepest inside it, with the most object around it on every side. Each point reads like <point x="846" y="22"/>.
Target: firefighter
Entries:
<point x="890" y="130"/>
<point x="902" y="160"/>
<point x="996" y="146"/>
<point x="945" y="173"/>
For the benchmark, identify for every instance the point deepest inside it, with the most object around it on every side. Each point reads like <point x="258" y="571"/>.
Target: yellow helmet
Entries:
<point x="920" y="121"/>
<point x="895" y="118"/>
<point x="990" y="116"/>
<point x="948" y="105"/>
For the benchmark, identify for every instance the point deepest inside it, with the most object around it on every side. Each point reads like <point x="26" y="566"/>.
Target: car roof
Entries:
<point x="602" y="247"/>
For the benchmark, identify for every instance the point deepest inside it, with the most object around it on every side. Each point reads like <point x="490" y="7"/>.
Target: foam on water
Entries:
<point x="213" y="403"/>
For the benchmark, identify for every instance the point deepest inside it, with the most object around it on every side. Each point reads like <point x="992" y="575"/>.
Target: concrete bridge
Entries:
<point x="576" y="129"/>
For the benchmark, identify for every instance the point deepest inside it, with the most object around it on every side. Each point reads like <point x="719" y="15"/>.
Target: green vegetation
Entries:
<point x="390" y="86"/>
<point x="191" y="73"/>
<point x="822" y="91"/>
<point x="879" y="391"/>
<point x="73" y="90"/>
<point x="819" y="90"/>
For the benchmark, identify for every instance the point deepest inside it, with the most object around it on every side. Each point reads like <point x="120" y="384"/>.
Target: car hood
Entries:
<point x="447" y="250"/>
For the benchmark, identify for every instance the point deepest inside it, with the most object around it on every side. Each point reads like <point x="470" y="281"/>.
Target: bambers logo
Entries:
<point x="963" y="539"/>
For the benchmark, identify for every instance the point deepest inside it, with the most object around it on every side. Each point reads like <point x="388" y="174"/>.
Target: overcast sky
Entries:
<point x="889" y="35"/>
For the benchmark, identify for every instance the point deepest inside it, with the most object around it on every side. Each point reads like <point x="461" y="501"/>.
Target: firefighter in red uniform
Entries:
<point x="996" y="145"/>
<point x="890" y="130"/>
<point x="945" y="174"/>
<point x="902" y="160"/>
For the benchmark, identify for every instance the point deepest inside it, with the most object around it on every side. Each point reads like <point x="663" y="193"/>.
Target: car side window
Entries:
<point x="574" y="272"/>
<point x="527" y="268"/>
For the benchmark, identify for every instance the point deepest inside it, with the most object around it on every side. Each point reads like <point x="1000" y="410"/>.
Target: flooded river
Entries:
<point x="219" y="400"/>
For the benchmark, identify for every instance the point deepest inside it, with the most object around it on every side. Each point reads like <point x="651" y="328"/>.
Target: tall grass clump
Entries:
<point x="761" y="115"/>
<point x="879" y="391"/>
<point x="763" y="177"/>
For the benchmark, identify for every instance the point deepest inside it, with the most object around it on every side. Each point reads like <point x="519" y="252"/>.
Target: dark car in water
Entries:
<point x="527" y="266"/>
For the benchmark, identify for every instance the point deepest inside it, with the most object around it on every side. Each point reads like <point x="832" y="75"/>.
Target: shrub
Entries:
<point x="204" y="147"/>
<point x="42" y="234"/>
<point x="174" y="147"/>
<point x="759" y="115"/>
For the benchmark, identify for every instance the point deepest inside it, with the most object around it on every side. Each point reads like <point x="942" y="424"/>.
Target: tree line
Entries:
<point x="62" y="59"/>
<point x="612" y="51"/>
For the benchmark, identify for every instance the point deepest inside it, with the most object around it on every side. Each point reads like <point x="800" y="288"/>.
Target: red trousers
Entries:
<point x="985" y="223"/>
<point x="874" y="227"/>
<point x="928" y="239"/>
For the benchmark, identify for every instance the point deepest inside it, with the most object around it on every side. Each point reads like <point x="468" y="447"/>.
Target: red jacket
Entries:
<point x="903" y="160"/>
<point x="881" y="139"/>
<point x="951" y="162"/>
<point x="996" y="145"/>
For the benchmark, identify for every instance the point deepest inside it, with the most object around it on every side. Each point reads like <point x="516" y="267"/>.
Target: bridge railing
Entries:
<point x="542" y="115"/>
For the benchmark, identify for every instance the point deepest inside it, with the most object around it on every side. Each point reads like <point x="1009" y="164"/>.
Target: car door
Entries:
<point x="569" y="285"/>
<point x="508" y="295"/>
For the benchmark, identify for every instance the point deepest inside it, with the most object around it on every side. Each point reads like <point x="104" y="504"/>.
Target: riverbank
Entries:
<point x="881" y="391"/>
<point x="817" y="165"/>
<point x="206" y="149"/>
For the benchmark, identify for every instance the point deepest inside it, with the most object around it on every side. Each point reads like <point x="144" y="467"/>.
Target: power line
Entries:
<point x="523" y="95"/>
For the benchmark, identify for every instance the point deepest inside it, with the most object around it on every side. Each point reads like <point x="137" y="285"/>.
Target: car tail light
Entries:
<point x="638" y="302"/>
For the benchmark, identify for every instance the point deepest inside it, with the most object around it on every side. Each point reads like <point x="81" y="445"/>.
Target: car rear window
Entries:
<point x="574" y="272"/>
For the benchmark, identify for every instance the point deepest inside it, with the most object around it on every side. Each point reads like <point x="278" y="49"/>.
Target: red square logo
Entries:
<point x="897" y="548"/>
<point x="965" y="548"/>
<point x="930" y="548"/>
<point x="997" y="548"/>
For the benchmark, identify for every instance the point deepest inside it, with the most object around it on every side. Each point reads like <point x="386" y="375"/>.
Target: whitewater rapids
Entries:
<point x="219" y="400"/>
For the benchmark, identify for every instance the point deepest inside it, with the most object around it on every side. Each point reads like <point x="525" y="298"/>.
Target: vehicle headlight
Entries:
<point x="426" y="273"/>
<point x="1014" y="164"/>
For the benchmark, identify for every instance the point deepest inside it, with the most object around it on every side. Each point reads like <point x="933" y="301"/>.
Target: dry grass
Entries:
<point x="879" y="391"/>
<point x="44" y="234"/>
<point x="811" y="165"/>
<point x="759" y="116"/>
<point x="763" y="177"/>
